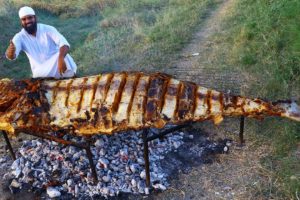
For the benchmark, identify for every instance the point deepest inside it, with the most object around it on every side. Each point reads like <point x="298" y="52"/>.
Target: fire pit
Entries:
<point x="118" y="159"/>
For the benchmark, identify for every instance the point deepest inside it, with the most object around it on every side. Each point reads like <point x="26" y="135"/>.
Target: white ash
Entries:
<point x="2" y="160"/>
<point x="118" y="159"/>
<point x="53" y="192"/>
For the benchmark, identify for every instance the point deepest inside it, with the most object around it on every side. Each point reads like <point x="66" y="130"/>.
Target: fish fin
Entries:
<point x="160" y="123"/>
<point x="217" y="119"/>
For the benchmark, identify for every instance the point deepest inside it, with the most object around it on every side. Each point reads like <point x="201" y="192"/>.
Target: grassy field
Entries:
<point x="122" y="35"/>
<point x="262" y="39"/>
<point x="267" y="46"/>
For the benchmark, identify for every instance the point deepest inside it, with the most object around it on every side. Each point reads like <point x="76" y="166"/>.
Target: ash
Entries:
<point x="65" y="170"/>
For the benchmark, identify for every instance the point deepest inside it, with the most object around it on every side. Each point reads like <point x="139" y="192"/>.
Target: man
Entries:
<point x="46" y="49"/>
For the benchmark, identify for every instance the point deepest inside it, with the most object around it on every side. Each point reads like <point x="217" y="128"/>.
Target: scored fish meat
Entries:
<point x="113" y="102"/>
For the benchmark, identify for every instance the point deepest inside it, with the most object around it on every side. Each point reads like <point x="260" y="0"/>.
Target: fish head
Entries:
<point x="288" y="109"/>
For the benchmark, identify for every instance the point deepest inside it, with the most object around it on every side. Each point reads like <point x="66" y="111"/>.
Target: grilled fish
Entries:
<point x="113" y="102"/>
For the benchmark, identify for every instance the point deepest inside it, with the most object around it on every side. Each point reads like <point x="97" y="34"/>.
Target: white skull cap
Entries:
<point x="24" y="11"/>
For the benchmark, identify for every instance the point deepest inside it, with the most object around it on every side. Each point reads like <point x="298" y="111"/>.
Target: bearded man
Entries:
<point x="46" y="49"/>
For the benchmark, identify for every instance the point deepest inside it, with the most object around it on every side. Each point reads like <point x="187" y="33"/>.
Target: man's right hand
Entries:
<point x="61" y="65"/>
<point x="11" y="50"/>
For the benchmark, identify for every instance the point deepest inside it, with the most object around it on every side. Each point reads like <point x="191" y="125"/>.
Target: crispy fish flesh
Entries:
<point x="113" y="102"/>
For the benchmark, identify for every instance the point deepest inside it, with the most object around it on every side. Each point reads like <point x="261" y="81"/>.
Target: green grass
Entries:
<point x="68" y="8"/>
<point x="141" y="36"/>
<point x="264" y="41"/>
<point x="109" y="35"/>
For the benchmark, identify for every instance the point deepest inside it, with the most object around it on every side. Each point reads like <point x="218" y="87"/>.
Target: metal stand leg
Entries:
<point x="146" y="157"/>
<point x="147" y="139"/>
<point x="90" y="157"/>
<point x="13" y="156"/>
<point x="241" y="134"/>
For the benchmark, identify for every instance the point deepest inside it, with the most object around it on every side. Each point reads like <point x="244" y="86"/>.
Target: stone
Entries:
<point x="76" y="191"/>
<point x="69" y="182"/>
<point x="147" y="191"/>
<point x="53" y="192"/>
<point x="15" y="164"/>
<point x="143" y="174"/>
<point x="228" y="143"/>
<point x="140" y="141"/>
<point x="127" y="169"/>
<point x="99" y="143"/>
<point x="104" y="162"/>
<point x="141" y="186"/>
<point x="134" y="168"/>
<point x="176" y="144"/>
<point x="141" y="161"/>
<point x="102" y="152"/>
<point x="112" y="192"/>
<point x="133" y="183"/>
<point x="114" y="168"/>
<point x="105" y="191"/>
<point x="2" y="160"/>
<point x="15" y="184"/>
<point x="227" y="188"/>
<point x="17" y="172"/>
<point x="124" y="152"/>
<point x="76" y="156"/>
<point x="38" y="143"/>
<point x="159" y="186"/>
<point x="106" y="178"/>
<point x="225" y="149"/>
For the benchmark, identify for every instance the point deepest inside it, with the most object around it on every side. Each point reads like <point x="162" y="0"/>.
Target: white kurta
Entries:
<point x="43" y="50"/>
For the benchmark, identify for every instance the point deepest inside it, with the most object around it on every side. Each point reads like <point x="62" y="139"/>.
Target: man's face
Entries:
<point x="29" y="23"/>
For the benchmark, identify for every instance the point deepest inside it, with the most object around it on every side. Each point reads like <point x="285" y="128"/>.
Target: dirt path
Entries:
<point x="200" y="67"/>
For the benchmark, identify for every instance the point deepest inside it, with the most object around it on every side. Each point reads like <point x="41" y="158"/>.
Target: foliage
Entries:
<point x="265" y="38"/>
<point x="267" y="45"/>
<point x="109" y="34"/>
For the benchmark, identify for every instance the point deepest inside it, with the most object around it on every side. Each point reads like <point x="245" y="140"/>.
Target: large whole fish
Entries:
<point x="113" y="102"/>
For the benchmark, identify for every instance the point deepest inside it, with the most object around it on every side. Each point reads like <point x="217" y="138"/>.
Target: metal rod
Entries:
<point x="163" y="133"/>
<point x="13" y="155"/>
<point x="146" y="157"/>
<point x="90" y="157"/>
<point x="241" y="134"/>
<point x="58" y="140"/>
<point x="91" y="161"/>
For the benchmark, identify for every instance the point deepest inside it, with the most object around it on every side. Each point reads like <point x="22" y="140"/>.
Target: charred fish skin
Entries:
<point x="113" y="102"/>
<point x="23" y="106"/>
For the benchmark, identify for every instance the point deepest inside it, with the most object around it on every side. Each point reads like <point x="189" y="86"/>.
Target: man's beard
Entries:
<point x="31" y="29"/>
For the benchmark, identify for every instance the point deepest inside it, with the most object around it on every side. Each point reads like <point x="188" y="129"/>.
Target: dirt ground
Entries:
<point x="197" y="59"/>
<point x="236" y="175"/>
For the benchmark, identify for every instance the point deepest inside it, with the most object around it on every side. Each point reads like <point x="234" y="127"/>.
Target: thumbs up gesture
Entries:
<point x="11" y="49"/>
